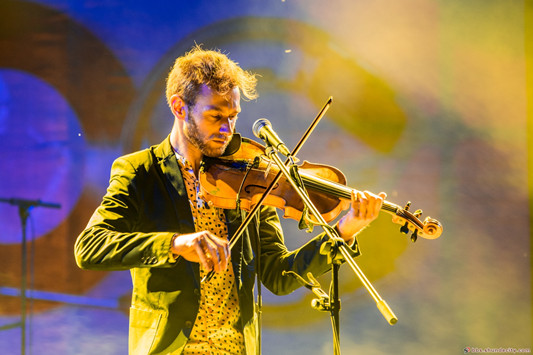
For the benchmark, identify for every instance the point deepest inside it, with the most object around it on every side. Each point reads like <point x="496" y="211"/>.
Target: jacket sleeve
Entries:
<point x="276" y="258"/>
<point x="111" y="240"/>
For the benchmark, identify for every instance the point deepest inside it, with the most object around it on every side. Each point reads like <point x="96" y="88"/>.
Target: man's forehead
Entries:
<point x="215" y="101"/>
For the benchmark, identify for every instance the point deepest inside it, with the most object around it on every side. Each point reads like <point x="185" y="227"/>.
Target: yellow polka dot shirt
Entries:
<point x="215" y="329"/>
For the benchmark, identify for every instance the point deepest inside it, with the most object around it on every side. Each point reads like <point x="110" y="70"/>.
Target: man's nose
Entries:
<point x="227" y="127"/>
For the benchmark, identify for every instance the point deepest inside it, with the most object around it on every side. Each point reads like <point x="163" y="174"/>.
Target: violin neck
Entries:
<point x="338" y="190"/>
<point x="429" y="229"/>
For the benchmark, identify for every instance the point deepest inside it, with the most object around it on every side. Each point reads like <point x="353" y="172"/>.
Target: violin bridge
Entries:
<point x="267" y="170"/>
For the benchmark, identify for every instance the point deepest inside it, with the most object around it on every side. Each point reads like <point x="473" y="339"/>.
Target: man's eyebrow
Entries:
<point x="218" y="109"/>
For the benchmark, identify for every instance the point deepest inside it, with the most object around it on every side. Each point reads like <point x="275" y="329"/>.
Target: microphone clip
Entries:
<point x="263" y="130"/>
<point x="322" y="303"/>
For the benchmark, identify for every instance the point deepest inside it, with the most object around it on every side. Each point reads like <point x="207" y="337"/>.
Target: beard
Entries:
<point x="202" y="142"/>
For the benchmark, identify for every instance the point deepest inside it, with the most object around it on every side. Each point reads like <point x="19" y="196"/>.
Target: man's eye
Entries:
<point x="221" y="117"/>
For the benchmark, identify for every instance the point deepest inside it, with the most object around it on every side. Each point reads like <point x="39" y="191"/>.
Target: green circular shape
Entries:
<point x="351" y="87"/>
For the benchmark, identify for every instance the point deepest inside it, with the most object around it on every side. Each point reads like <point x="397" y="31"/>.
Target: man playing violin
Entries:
<point x="154" y="221"/>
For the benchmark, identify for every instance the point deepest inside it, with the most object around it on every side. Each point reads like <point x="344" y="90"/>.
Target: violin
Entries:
<point x="240" y="179"/>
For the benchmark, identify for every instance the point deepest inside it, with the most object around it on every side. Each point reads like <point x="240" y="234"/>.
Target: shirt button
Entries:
<point x="188" y="324"/>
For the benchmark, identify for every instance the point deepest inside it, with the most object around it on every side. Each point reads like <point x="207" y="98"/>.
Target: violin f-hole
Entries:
<point x="248" y="190"/>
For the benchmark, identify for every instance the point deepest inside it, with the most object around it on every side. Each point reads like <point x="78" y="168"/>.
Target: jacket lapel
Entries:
<point x="168" y="164"/>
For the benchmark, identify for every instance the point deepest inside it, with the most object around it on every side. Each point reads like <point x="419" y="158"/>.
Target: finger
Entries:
<point x="382" y="197"/>
<point x="363" y="205"/>
<point x="353" y="206"/>
<point x="199" y="248"/>
<point x="356" y="203"/>
<point x="211" y="249"/>
<point x="223" y="252"/>
<point x="368" y="202"/>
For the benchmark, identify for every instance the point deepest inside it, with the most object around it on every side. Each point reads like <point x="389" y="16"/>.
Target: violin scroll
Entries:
<point x="430" y="228"/>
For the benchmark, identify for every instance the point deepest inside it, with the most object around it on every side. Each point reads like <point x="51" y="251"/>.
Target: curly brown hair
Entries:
<point x="211" y="68"/>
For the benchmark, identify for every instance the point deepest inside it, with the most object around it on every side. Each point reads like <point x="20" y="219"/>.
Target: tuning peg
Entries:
<point x="418" y="213"/>
<point x="414" y="236"/>
<point x="404" y="229"/>
<point x="407" y="206"/>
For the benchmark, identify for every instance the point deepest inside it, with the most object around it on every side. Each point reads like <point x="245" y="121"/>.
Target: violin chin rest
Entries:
<point x="234" y="145"/>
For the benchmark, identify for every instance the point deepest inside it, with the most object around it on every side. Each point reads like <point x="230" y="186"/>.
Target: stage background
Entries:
<point x="430" y="104"/>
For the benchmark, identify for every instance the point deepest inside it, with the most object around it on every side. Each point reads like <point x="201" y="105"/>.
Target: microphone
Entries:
<point x="262" y="129"/>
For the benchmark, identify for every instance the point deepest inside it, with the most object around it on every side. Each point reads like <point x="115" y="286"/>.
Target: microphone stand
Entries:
<point x="24" y="206"/>
<point x="323" y="303"/>
<point x="332" y="247"/>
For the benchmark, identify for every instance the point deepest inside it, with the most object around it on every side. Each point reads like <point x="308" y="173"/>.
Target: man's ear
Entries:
<point x="178" y="107"/>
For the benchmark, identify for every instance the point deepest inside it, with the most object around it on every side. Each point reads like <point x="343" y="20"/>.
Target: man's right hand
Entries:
<point x="203" y="247"/>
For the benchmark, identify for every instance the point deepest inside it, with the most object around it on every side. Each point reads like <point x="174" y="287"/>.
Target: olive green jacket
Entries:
<point x="145" y="205"/>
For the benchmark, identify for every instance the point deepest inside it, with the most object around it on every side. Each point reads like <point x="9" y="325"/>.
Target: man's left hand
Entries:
<point x="364" y="209"/>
